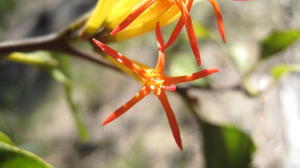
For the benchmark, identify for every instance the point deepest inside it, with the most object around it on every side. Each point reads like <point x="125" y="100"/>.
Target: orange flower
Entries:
<point x="185" y="20"/>
<point x="153" y="80"/>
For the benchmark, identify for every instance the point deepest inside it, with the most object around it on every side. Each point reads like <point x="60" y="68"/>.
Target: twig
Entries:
<point x="84" y="55"/>
<point x="190" y="103"/>
<point x="47" y="42"/>
<point x="57" y="42"/>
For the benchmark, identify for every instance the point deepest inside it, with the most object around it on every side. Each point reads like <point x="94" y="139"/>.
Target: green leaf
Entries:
<point x="14" y="157"/>
<point x="226" y="146"/>
<point x="38" y="58"/>
<point x="279" y="71"/>
<point x="185" y="64"/>
<point x="5" y="139"/>
<point x="62" y="74"/>
<point x="59" y="69"/>
<point x="278" y="41"/>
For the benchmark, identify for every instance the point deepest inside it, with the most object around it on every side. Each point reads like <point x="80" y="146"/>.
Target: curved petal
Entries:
<point x="161" y="51"/>
<point x="159" y="37"/>
<point x="171" y="118"/>
<point x="219" y="18"/>
<point x="191" y="77"/>
<point x="98" y="16"/>
<point x="178" y="26"/>
<point x="190" y="31"/>
<point x="163" y="11"/>
<point x="137" y="12"/>
<point x="175" y="32"/>
<point x="139" y="96"/>
<point x="121" y="59"/>
<point x="120" y="11"/>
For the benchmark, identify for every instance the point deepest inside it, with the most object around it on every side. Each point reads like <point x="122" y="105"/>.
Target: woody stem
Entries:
<point x="56" y="42"/>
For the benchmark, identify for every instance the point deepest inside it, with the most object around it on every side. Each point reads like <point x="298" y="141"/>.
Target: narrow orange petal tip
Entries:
<point x="215" y="70"/>
<point x="98" y="43"/>
<point x="114" y="32"/>
<point x="198" y="58"/>
<point x="181" y="148"/>
<point x="106" y="121"/>
<point x="94" y="40"/>
<point x="224" y="39"/>
<point x="198" y="62"/>
<point x="179" y="145"/>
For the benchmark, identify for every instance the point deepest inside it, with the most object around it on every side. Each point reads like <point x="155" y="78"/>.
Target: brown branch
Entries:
<point x="68" y="49"/>
<point x="47" y="42"/>
<point x="57" y="42"/>
<point x="190" y="103"/>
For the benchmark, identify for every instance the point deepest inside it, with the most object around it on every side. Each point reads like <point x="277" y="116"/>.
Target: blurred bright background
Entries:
<point x="249" y="92"/>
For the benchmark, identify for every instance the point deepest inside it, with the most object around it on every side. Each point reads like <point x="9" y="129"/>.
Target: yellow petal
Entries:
<point x="147" y="21"/>
<point x="120" y="11"/>
<point x="152" y="13"/>
<point x="98" y="16"/>
<point x="169" y="16"/>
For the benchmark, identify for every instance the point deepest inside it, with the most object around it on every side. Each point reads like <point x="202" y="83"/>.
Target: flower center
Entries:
<point x="155" y="82"/>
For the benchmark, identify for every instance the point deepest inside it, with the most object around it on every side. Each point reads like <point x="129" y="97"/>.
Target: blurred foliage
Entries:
<point x="278" y="41"/>
<point x="5" y="139"/>
<point x="201" y="31"/>
<point x="226" y="146"/>
<point x="279" y="71"/>
<point x="183" y="64"/>
<point x="240" y="57"/>
<point x="14" y="157"/>
<point x="250" y="86"/>
<point x="62" y="74"/>
<point x="136" y="157"/>
<point x="6" y="7"/>
<point x="39" y="58"/>
<point x="58" y="66"/>
<point x="17" y="82"/>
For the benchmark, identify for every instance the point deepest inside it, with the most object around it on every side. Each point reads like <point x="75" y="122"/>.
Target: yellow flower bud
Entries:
<point x="162" y="11"/>
<point x="109" y="13"/>
<point x="98" y="16"/>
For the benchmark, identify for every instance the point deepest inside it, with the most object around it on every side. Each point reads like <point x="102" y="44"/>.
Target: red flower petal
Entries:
<point x="159" y="37"/>
<point x="219" y="18"/>
<point x="171" y="118"/>
<point x="132" y="16"/>
<point x="188" y="78"/>
<point x="139" y="96"/>
<point x="161" y="48"/>
<point x="175" y="32"/>
<point x="121" y="59"/>
<point x="178" y="26"/>
<point x="190" y="30"/>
